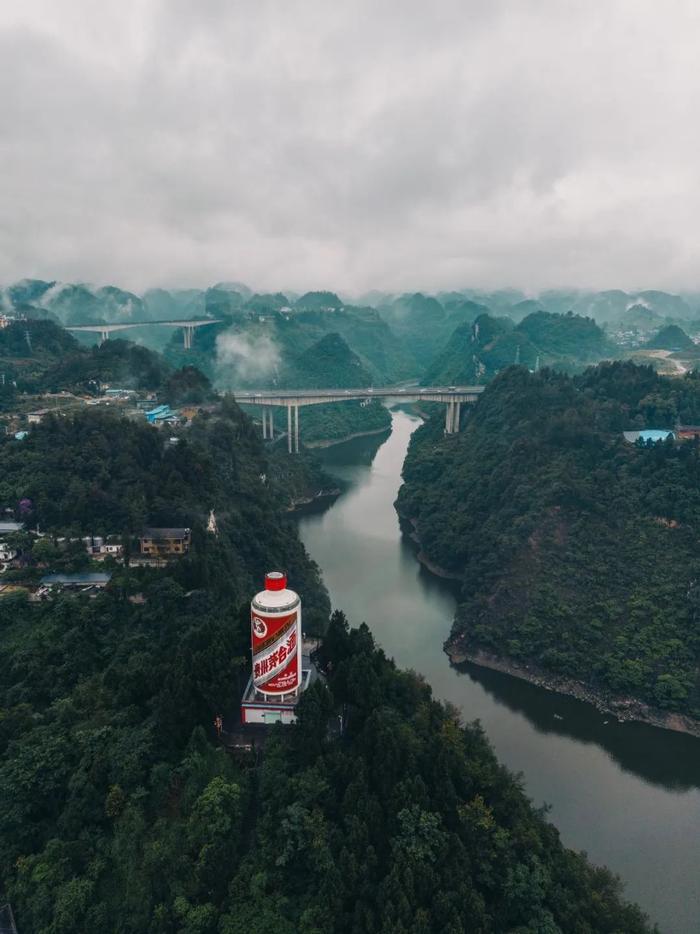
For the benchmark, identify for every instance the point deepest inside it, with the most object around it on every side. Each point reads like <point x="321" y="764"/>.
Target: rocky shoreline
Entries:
<point x="412" y="532"/>
<point x="623" y="708"/>
<point x="317" y="497"/>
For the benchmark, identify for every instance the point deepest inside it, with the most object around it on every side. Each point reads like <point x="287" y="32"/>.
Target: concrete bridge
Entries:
<point x="452" y="396"/>
<point x="104" y="330"/>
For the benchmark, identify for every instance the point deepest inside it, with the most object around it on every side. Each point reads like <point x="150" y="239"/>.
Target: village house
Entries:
<point x="165" y="542"/>
<point x="686" y="432"/>
<point x="97" y="547"/>
<point x="88" y="583"/>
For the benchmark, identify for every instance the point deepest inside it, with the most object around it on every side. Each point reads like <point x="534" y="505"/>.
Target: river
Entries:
<point x="626" y="793"/>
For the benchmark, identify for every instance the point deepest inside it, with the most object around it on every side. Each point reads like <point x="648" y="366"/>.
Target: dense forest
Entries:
<point x="39" y="356"/>
<point x="671" y="338"/>
<point x="476" y="352"/>
<point x="122" y="814"/>
<point x="96" y="473"/>
<point x="577" y="549"/>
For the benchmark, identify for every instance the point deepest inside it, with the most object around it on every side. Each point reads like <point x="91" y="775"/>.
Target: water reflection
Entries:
<point x="674" y="762"/>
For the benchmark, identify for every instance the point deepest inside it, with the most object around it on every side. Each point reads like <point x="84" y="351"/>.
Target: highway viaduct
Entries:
<point x="453" y="397"/>
<point x="188" y="327"/>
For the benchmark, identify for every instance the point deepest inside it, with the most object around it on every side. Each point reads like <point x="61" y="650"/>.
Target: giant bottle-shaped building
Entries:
<point x="275" y="630"/>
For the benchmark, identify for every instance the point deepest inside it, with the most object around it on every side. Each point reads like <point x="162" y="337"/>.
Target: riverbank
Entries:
<point x="323" y="496"/>
<point x="410" y="527"/>
<point x="622" y="708"/>
<point x="330" y="442"/>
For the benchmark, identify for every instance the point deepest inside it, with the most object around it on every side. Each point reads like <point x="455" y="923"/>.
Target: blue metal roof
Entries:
<point x="86" y="577"/>
<point x="159" y="409"/>
<point x="649" y="434"/>
<point x="655" y="434"/>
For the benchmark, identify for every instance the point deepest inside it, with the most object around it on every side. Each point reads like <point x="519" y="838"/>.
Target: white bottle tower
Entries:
<point x="275" y="633"/>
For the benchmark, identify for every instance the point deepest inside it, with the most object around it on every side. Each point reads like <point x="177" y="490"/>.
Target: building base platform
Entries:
<point x="257" y="708"/>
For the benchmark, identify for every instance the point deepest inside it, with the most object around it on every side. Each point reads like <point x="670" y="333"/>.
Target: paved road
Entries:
<point x="437" y="393"/>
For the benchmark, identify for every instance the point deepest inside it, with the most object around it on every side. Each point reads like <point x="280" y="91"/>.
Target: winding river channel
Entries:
<point x="626" y="793"/>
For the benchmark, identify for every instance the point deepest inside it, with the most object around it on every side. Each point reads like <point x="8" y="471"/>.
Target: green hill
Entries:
<point x="36" y="338"/>
<point x="577" y="550"/>
<point x="478" y="352"/>
<point x="319" y="301"/>
<point x="329" y="363"/>
<point x="671" y="338"/>
<point x="421" y="322"/>
<point x="40" y="356"/>
<point x="567" y="336"/>
<point x="248" y="348"/>
<point x="475" y="352"/>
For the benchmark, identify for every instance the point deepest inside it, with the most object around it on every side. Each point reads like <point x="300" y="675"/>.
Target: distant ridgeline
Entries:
<point x="477" y="351"/>
<point x="395" y="337"/>
<point x="40" y="356"/>
<point x="578" y="551"/>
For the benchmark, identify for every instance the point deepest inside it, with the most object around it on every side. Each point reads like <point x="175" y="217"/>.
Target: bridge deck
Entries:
<point x="319" y="396"/>
<point x="124" y="325"/>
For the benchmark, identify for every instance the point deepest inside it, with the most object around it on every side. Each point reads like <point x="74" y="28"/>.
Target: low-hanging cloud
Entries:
<point x="245" y="358"/>
<point x="381" y="143"/>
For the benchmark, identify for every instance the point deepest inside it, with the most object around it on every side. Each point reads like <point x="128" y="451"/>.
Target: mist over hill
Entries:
<point x="462" y="335"/>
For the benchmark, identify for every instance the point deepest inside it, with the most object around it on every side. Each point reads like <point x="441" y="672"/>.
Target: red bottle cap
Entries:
<point x="275" y="580"/>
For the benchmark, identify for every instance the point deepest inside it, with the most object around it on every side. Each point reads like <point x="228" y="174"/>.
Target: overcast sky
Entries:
<point x="347" y="144"/>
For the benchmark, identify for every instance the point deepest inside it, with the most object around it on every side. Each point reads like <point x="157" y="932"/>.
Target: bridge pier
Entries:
<point x="104" y="335"/>
<point x="452" y="412"/>
<point x="292" y="428"/>
<point x="188" y="333"/>
<point x="268" y="427"/>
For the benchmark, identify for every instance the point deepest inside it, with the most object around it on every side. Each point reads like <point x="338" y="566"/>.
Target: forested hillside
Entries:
<point x="577" y="550"/>
<point x="476" y="352"/>
<point x="250" y="344"/>
<point x="671" y="338"/>
<point x="121" y="814"/>
<point x="96" y="473"/>
<point x="40" y="356"/>
<point x="425" y="325"/>
<point x="328" y="363"/>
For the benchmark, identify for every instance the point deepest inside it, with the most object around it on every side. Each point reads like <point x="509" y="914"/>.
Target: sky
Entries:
<point x="390" y="144"/>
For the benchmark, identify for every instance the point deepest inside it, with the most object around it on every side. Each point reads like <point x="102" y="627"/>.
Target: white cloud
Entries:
<point x="241" y="358"/>
<point x="385" y="144"/>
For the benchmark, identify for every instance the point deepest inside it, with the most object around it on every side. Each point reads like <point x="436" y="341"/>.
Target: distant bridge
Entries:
<point x="451" y="396"/>
<point x="104" y="330"/>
